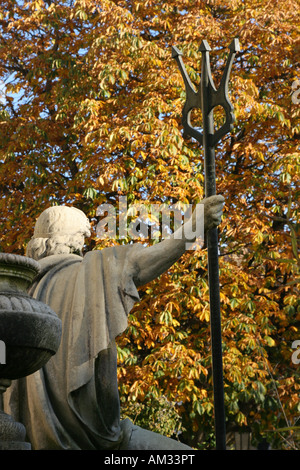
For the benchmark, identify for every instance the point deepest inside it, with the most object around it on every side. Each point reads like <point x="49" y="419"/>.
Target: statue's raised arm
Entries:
<point x="155" y="260"/>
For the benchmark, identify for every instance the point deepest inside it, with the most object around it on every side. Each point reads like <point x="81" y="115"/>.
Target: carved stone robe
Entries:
<point x="60" y="405"/>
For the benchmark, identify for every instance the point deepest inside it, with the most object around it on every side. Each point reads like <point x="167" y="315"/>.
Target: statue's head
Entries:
<point x="59" y="230"/>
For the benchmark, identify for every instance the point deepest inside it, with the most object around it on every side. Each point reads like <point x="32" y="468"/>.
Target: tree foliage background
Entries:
<point x="91" y="104"/>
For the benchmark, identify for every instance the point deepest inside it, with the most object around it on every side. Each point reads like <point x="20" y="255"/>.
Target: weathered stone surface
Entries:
<point x="30" y="330"/>
<point x="12" y="433"/>
<point x="16" y="272"/>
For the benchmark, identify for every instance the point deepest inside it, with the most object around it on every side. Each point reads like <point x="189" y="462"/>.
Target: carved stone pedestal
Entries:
<point x="12" y="433"/>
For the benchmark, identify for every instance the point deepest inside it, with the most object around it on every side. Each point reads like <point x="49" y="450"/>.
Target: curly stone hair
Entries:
<point x="59" y="230"/>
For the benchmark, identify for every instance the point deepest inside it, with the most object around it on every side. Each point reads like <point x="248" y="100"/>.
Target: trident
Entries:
<point x="207" y="98"/>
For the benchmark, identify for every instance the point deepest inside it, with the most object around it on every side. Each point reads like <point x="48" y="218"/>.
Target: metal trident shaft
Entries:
<point x="207" y="98"/>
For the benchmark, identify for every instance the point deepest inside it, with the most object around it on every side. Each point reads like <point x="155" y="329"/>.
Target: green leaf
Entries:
<point x="270" y="341"/>
<point x="90" y="193"/>
<point x="234" y="303"/>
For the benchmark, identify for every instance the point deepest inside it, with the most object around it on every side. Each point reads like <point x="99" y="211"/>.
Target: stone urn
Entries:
<point x="30" y="333"/>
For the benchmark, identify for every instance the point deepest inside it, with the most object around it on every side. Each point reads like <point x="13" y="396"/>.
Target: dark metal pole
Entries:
<point x="213" y="254"/>
<point x="207" y="98"/>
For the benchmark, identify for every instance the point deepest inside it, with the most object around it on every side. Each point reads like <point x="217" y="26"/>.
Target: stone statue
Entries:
<point x="73" y="401"/>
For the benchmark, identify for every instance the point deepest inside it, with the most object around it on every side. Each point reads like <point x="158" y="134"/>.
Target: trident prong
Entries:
<point x="193" y="99"/>
<point x="221" y="97"/>
<point x="213" y="97"/>
<point x="207" y="98"/>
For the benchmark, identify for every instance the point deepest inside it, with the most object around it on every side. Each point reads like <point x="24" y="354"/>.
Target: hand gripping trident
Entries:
<point x="207" y="98"/>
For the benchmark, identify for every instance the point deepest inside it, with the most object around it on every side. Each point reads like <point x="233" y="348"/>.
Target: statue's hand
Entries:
<point x="213" y="209"/>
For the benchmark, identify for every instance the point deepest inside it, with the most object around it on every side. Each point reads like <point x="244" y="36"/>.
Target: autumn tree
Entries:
<point x="90" y="110"/>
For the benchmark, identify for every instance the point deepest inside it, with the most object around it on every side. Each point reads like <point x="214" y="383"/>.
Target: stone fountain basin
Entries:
<point x="29" y="329"/>
<point x="30" y="339"/>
